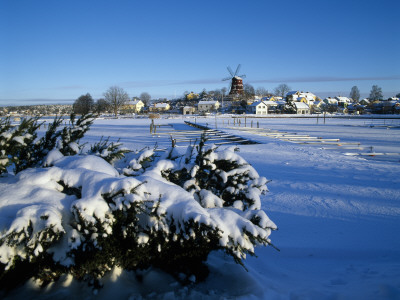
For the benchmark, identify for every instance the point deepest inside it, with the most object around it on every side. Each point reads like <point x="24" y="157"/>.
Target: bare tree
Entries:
<point x="248" y="91"/>
<point x="355" y="93"/>
<point x="223" y="91"/>
<point x="145" y="97"/>
<point x="260" y="91"/>
<point x="281" y="90"/>
<point x="116" y="97"/>
<point x="84" y="104"/>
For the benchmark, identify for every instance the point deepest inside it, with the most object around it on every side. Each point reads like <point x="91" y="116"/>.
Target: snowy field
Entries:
<point x="338" y="216"/>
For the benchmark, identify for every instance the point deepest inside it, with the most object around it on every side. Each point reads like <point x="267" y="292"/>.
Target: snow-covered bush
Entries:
<point x="83" y="216"/>
<point x="16" y="144"/>
<point x="20" y="148"/>
<point x="110" y="151"/>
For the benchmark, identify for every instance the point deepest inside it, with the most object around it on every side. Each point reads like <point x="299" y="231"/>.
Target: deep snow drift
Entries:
<point x="338" y="218"/>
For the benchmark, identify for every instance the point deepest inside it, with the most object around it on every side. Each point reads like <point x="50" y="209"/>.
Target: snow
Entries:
<point x="338" y="215"/>
<point x="301" y="105"/>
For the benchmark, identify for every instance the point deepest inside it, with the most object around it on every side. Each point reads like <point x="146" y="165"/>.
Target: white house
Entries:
<point x="262" y="107"/>
<point x="258" y="108"/>
<point x="207" y="106"/>
<point x="302" y="108"/>
<point x="188" y="110"/>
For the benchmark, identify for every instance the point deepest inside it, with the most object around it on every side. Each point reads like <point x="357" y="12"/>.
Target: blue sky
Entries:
<point x="55" y="51"/>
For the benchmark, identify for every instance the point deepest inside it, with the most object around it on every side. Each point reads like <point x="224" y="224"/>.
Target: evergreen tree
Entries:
<point x="289" y="107"/>
<point x="355" y="93"/>
<point x="376" y="93"/>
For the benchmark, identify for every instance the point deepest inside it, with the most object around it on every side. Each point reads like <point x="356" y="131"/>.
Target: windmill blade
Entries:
<point x="226" y="78"/>
<point x="230" y="71"/>
<point x="237" y="70"/>
<point x="242" y="76"/>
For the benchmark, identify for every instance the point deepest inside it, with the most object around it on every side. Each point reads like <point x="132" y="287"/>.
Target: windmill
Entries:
<point x="236" y="81"/>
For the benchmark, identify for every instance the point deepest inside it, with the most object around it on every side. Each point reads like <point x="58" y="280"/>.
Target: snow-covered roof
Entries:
<point x="330" y="100"/>
<point x="318" y="102"/>
<point x="309" y="96"/>
<point x="269" y="102"/>
<point x="135" y="102"/>
<point x="256" y="103"/>
<point x="301" y="105"/>
<point x="208" y="102"/>
<point x="343" y="99"/>
<point x="161" y="105"/>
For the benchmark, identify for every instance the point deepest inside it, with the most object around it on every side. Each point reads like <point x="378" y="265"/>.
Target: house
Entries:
<point x="272" y="98"/>
<point x="188" y="110"/>
<point x="331" y="101"/>
<point x="208" y="106"/>
<point x="305" y="97"/>
<point x="364" y="102"/>
<point x="301" y="108"/>
<point x="292" y="96"/>
<point x="160" y="107"/>
<point x="134" y="106"/>
<point x="262" y="107"/>
<point x="258" y="108"/>
<point x="343" y="101"/>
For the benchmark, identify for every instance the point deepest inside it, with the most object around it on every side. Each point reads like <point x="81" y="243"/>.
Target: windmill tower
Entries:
<point x="236" y="82"/>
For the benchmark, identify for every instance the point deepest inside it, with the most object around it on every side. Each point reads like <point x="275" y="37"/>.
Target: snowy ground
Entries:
<point x="338" y="218"/>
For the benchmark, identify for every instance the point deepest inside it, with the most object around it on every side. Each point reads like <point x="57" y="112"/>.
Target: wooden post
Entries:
<point x="324" y="116"/>
<point x="251" y="123"/>
<point x="245" y="122"/>
<point x="258" y="125"/>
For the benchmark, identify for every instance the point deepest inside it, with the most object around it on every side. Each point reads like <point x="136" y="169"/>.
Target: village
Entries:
<point x="241" y="99"/>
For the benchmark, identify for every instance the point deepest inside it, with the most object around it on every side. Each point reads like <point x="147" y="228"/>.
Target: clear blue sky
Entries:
<point x="55" y="51"/>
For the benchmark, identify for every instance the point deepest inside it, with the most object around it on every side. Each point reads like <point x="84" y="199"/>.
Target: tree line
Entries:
<point x="114" y="98"/>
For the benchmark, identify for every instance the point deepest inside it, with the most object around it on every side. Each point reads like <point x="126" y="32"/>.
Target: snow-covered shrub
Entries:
<point x="19" y="146"/>
<point x="68" y="144"/>
<point x="81" y="215"/>
<point x="135" y="163"/>
<point x="223" y="182"/>
<point x="16" y="144"/>
<point x="109" y="151"/>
